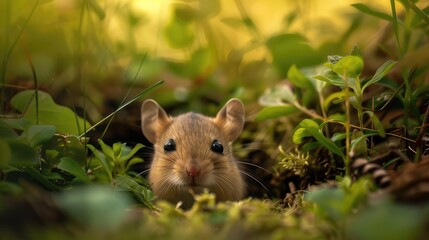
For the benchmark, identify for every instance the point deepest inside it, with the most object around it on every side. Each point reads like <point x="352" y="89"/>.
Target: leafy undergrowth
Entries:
<point x="60" y="186"/>
<point x="95" y="212"/>
<point x="340" y="146"/>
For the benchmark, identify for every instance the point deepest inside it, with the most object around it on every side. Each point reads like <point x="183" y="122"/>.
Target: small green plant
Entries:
<point x="34" y="146"/>
<point x="116" y="162"/>
<point x="345" y="74"/>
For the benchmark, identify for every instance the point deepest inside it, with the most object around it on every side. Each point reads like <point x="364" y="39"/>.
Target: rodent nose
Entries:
<point x="192" y="171"/>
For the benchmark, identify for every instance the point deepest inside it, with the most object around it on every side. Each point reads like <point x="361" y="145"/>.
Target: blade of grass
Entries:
<point x="126" y="94"/>
<point x="36" y="87"/>
<point x="141" y="94"/>
<point x="419" y="12"/>
<point x="395" y="24"/>
<point x="365" y="9"/>
<point x="12" y="47"/>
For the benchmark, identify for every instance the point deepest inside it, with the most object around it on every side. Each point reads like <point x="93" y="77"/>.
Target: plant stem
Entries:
<point x="347" y="126"/>
<point x="395" y="24"/>
<point x="326" y="126"/>
<point x="308" y="111"/>
<point x="388" y="134"/>
<point x="141" y="94"/>
<point x="8" y="52"/>
<point x="407" y="97"/>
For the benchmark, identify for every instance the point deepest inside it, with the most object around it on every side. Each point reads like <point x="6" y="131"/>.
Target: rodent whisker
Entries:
<point x="255" y="145"/>
<point x="223" y="184"/>
<point x="254" y="165"/>
<point x="211" y="162"/>
<point x="143" y="172"/>
<point x="258" y="181"/>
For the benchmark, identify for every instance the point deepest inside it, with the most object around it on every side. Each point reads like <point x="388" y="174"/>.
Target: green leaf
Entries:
<point x="331" y="78"/>
<point x="275" y="112"/>
<point x="338" y="136"/>
<point x="334" y="97"/>
<point x="103" y="160"/>
<point x="330" y="203"/>
<point x="107" y="150"/>
<point x="358" y="143"/>
<point x="289" y="49"/>
<point x="22" y="155"/>
<point x="118" y="149"/>
<point x="313" y="128"/>
<point x="95" y="206"/>
<point x="64" y="146"/>
<point x="402" y="221"/>
<point x="179" y="34"/>
<point x="64" y="119"/>
<point x="365" y="9"/>
<point x="299" y="135"/>
<point x="309" y="124"/>
<point x="6" y="153"/>
<point x="349" y="66"/>
<point x="380" y="73"/>
<point x="354" y="101"/>
<point x="134" y="160"/>
<point x="6" y="132"/>
<point x="40" y="134"/>
<point x="42" y="179"/>
<point x="199" y="62"/>
<point x="144" y="195"/>
<point x="337" y="117"/>
<point x="76" y="149"/>
<point x="16" y="123"/>
<point x="278" y="95"/>
<point x="69" y="165"/>
<point x="298" y="79"/>
<point x="126" y="154"/>
<point x="377" y="124"/>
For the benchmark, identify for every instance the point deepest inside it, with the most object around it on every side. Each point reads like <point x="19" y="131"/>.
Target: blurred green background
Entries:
<point x="92" y="56"/>
<point x="92" y="52"/>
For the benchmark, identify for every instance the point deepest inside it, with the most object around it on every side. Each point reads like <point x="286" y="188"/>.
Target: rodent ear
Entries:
<point x="231" y="119"/>
<point x="153" y="119"/>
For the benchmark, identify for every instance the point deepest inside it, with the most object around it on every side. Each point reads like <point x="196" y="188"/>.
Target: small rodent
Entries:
<point x="193" y="152"/>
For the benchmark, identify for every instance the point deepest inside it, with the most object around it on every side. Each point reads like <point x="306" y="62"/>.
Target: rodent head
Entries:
<point x="193" y="152"/>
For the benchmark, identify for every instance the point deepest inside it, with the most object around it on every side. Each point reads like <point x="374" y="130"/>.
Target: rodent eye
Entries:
<point x="217" y="147"/>
<point x="170" y="146"/>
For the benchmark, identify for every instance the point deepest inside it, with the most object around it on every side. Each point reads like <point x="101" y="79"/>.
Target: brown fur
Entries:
<point x="194" y="134"/>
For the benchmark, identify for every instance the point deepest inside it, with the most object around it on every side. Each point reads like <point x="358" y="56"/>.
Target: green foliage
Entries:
<point x="60" y="162"/>
<point x="116" y="162"/>
<point x="44" y="110"/>
<point x="95" y="206"/>
<point x="399" y="221"/>
<point x="366" y="9"/>
<point x="345" y="73"/>
<point x="336" y="204"/>
<point x="348" y="107"/>
<point x="116" y="159"/>
<point x="290" y="49"/>
<point x="309" y="128"/>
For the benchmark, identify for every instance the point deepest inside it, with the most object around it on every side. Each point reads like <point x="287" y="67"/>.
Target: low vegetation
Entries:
<point x="335" y="143"/>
